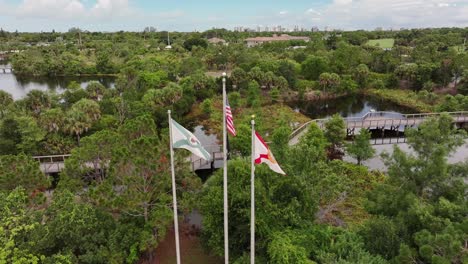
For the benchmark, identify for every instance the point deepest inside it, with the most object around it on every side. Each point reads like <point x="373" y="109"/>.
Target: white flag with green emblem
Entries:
<point x="182" y="138"/>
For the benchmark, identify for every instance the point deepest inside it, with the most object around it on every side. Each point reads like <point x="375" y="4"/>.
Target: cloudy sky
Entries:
<point x="189" y="15"/>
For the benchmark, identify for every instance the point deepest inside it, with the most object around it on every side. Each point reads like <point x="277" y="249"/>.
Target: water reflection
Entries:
<point x="348" y="106"/>
<point x="19" y="87"/>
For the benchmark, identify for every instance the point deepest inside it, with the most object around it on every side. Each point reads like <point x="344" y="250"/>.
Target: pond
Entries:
<point x="19" y="86"/>
<point x="346" y="106"/>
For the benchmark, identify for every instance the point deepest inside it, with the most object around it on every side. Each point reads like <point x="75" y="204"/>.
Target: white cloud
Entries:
<point x="342" y="2"/>
<point x="312" y="11"/>
<point x="51" y="8"/>
<point x="111" y="8"/>
<point x="394" y="13"/>
<point x="73" y="9"/>
<point x="282" y="13"/>
<point x="446" y="4"/>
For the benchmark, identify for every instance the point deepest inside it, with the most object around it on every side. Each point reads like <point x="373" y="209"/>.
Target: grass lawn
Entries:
<point x="382" y="43"/>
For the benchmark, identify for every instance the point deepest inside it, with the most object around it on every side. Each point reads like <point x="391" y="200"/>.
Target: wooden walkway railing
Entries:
<point x="6" y="69"/>
<point x="382" y="120"/>
<point x="52" y="164"/>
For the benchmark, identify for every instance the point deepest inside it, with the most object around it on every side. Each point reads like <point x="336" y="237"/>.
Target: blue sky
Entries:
<point x="185" y="15"/>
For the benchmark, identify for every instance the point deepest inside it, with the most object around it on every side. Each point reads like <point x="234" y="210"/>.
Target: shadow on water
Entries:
<point x="347" y="106"/>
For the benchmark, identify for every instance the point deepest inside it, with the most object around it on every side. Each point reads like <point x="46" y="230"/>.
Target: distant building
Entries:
<point x="217" y="41"/>
<point x="251" y="42"/>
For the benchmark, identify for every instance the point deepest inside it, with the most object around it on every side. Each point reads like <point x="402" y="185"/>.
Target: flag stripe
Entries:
<point x="229" y="120"/>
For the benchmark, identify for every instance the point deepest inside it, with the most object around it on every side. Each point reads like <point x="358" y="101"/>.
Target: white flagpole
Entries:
<point x="174" y="193"/>
<point x="252" y="197"/>
<point x="225" y="185"/>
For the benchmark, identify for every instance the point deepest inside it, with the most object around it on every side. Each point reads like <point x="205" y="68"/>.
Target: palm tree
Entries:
<point x="81" y="117"/>
<point x="52" y="120"/>
<point x="88" y="107"/>
<point x="37" y="100"/>
<point x="77" y="123"/>
<point x="95" y="90"/>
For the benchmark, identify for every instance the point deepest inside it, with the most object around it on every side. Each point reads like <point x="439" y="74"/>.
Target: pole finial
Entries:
<point x="224" y="74"/>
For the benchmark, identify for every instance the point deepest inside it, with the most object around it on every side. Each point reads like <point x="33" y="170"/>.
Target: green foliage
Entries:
<point x="335" y="130"/>
<point x="423" y="196"/>
<point x="20" y="170"/>
<point x="234" y="100"/>
<point x="313" y="66"/>
<point x="285" y="203"/>
<point x="253" y="94"/>
<point x="10" y="136"/>
<point x="381" y="236"/>
<point x="14" y="227"/>
<point x="5" y="100"/>
<point x="194" y="41"/>
<point x="281" y="250"/>
<point x="31" y="134"/>
<point x="207" y="106"/>
<point x="361" y="148"/>
<point x="275" y="94"/>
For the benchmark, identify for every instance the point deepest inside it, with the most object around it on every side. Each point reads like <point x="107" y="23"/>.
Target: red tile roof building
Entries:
<point x="251" y="42"/>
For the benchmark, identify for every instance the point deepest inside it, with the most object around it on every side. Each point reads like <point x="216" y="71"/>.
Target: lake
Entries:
<point x="19" y="87"/>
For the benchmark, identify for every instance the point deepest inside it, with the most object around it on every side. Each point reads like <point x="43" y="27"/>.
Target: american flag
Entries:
<point x="229" y="121"/>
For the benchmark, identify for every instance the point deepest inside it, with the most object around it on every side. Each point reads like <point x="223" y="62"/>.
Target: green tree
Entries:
<point x="275" y="94"/>
<point x="52" y="120"/>
<point x="329" y="81"/>
<point x="335" y="132"/>
<point x="10" y="136"/>
<point x="95" y="90"/>
<point x="31" y="134"/>
<point x="253" y="94"/>
<point x="361" y="148"/>
<point x="37" y="101"/>
<point x="361" y="75"/>
<point x="15" y="225"/>
<point x="195" y="41"/>
<point x="423" y="195"/>
<point x="239" y="78"/>
<point x="5" y="101"/>
<point x="20" y="170"/>
<point x="234" y="100"/>
<point x="207" y="106"/>
<point x="313" y="66"/>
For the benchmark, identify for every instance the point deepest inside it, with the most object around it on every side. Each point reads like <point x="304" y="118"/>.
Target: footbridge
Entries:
<point x="380" y="123"/>
<point x="6" y="69"/>
<point x="56" y="163"/>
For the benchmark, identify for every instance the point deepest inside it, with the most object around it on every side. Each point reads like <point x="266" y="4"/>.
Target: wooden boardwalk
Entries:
<point x="373" y="121"/>
<point x="6" y="69"/>
<point x="52" y="164"/>
<point x="380" y="121"/>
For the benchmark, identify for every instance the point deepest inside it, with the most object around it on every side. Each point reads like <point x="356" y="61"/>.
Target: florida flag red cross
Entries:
<point x="264" y="155"/>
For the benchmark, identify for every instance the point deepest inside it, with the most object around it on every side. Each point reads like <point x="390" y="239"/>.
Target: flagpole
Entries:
<point x="174" y="193"/>
<point x="252" y="197"/>
<point x="225" y="185"/>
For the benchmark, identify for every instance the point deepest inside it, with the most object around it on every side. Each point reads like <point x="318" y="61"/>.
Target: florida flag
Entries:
<point x="264" y="155"/>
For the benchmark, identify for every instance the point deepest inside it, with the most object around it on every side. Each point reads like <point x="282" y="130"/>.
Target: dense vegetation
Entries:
<point x="112" y="202"/>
